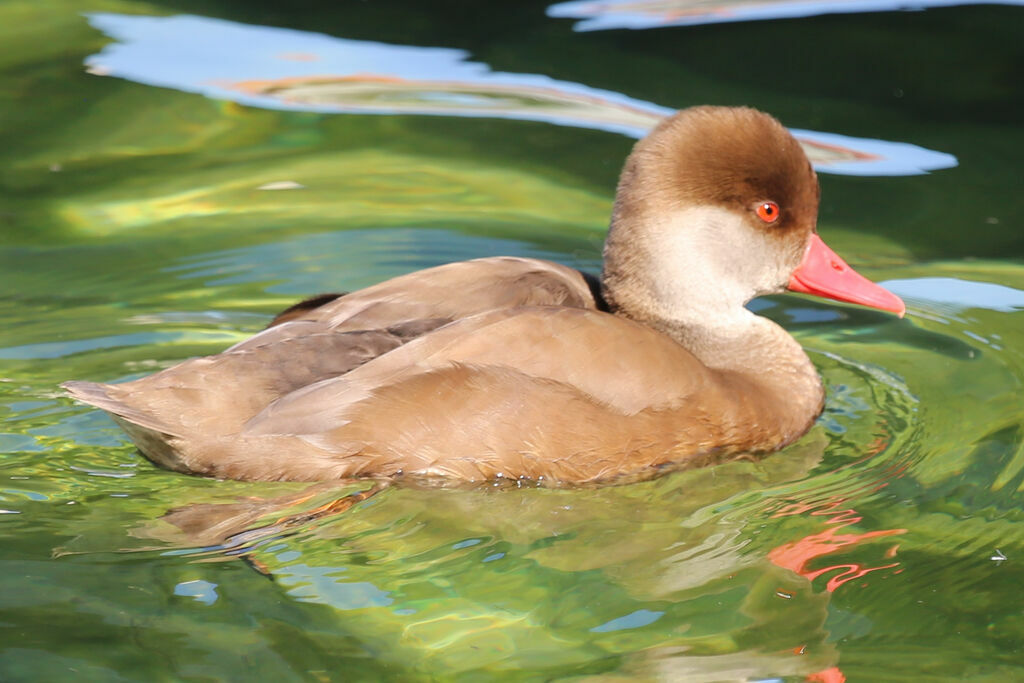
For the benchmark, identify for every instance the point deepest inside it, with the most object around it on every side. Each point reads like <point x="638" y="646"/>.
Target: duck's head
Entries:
<point x="715" y="206"/>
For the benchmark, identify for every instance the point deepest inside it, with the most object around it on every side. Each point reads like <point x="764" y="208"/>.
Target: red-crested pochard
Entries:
<point x="520" y="368"/>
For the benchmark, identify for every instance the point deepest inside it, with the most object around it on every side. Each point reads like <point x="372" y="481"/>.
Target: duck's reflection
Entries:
<point x="469" y="577"/>
<point x="278" y="68"/>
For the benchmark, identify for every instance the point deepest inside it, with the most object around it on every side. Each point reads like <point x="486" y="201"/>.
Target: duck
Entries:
<point x="525" y="369"/>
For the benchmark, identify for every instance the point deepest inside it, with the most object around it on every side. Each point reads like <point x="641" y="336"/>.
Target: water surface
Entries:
<point x="147" y="223"/>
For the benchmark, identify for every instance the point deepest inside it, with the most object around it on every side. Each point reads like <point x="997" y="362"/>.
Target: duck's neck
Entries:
<point x="725" y="337"/>
<point x="755" y="349"/>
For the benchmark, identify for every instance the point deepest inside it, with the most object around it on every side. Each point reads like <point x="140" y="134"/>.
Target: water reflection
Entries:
<point x="797" y="556"/>
<point x="951" y="295"/>
<point x="641" y="14"/>
<point x="458" y="578"/>
<point x="453" y="578"/>
<point x="279" y="68"/>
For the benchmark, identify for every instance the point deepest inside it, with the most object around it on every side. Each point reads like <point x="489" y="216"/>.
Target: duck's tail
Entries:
<point x="155" y="438"/>
<point x="104" y="396"/>
<point x="239" y="529"/>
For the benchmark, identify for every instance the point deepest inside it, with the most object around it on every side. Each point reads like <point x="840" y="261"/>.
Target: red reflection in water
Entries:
<point x="830" y="675"/>
<point x="797" y="555"/>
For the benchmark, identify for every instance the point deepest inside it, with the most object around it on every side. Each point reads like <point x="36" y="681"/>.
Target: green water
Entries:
<point x="133" y="235"/>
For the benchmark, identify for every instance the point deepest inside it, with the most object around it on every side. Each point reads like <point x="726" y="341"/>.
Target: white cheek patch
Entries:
<point x="710" y="257"/>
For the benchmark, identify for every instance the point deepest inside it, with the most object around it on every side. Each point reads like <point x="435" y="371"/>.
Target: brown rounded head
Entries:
<point x="733" y="158"/>
<point x="692" y="198"/>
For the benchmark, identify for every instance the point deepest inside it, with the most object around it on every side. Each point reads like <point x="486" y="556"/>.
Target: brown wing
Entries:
<point x="413" y="304"/>
<point x="567" y="394"/>
<point x="216" y="395"/>
<point x="453" y="291"/>
<point x="619" y="363"/>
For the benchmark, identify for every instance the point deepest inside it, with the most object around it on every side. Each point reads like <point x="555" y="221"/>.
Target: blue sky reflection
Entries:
<point x="278" y="68"/>
<point x="644" y="14"/>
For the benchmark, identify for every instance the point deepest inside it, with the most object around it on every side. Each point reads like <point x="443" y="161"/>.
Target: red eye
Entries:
<point x="768" y="212"/>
